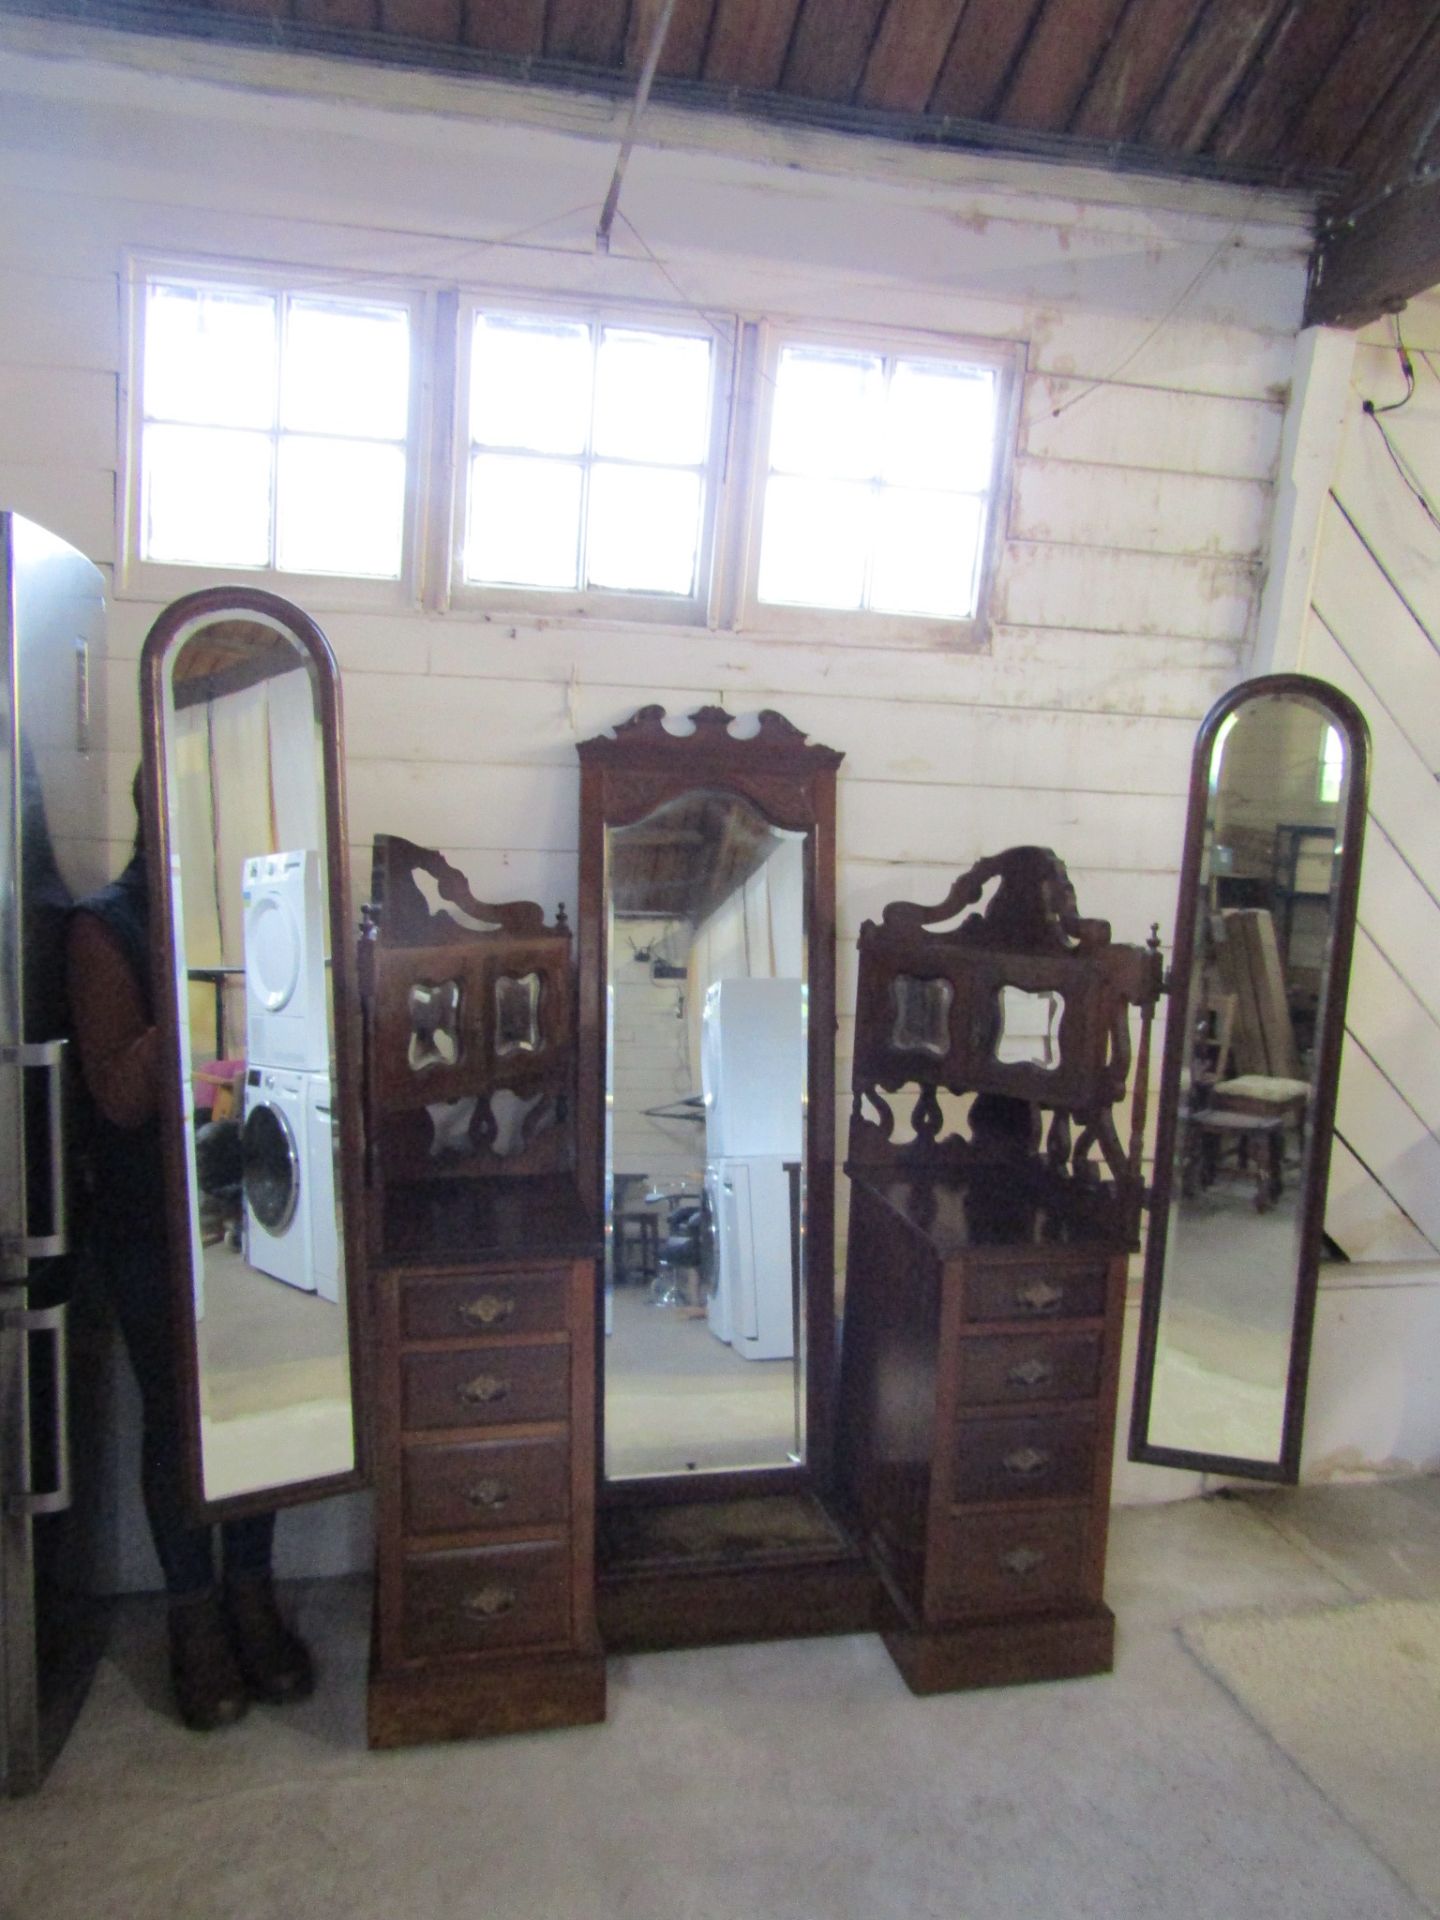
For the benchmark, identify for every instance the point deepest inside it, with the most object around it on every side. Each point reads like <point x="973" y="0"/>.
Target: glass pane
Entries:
<point x="922" y="1015"/>
<point x="342" y="508"/>
<point x="517" y="1014"/>
<point x="828" y="413"/>
<point x="706" y="1031"/>
<point x="652" y="397"/>
<point x="927" y="553"/>
<point x="210" y="357"/>
<point x="524" y="522"/>
<point x="434" y="1009"/>
<point x="1029" y="1028"/>
<point x="346" y="370"/>
<point x="249" y="856"/>
<point x="206" y="496"/>
<point x="815" y="540"/>
<point x="1260" y="967"/>
<point x="644" y="526"/>
<point x="940" y="426"/>
<point x="530" y="384"/>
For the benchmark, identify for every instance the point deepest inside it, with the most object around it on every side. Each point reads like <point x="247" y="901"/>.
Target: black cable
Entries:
<point x="1398" y="462"/>
<point x="1407" y="368"/>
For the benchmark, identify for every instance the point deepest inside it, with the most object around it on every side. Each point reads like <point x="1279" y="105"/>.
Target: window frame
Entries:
<point x="862" y="626"/>
<point x="137" y="578"/>
<point x="585" y="602"/>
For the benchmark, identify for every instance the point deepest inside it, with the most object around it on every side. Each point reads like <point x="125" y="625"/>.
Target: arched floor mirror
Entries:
<point x="253" y="960"/>
<point x="706" y="1143"/>
<point x="1263" y="933"/>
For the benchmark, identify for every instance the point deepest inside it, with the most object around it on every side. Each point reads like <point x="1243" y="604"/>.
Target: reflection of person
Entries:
<point x="228" y="1645"/>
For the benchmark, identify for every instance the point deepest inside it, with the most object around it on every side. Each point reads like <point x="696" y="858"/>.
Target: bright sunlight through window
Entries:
<point x="1332" y="767"/>
<point x="588" y="444"/>
<point x="878" y="474"/>
<point x="274" y="431"/>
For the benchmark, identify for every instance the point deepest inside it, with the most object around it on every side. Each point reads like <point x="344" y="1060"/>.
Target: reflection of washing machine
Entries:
<point x="285" y="1013"/>
<point x="288" y="1160"/>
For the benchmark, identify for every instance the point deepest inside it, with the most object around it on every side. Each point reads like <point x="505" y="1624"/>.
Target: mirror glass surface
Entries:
<point x="244" y="783"/>
<point x="706" y="1049"/>
<point x="1265" y="920"/>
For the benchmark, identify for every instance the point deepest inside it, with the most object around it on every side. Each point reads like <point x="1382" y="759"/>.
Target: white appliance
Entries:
<point x="289" y="1179"/>
<point x="752" y="1074"/>
<point x="286" y="1023"/>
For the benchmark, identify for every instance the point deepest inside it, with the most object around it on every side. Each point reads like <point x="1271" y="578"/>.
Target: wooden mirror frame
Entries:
<point x="791" y="782"/>
<point x="1348" y="719"/>
<point x="178" y="622"/>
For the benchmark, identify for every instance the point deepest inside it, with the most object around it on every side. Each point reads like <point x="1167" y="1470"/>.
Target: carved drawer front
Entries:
<point x="1048" y="1456"/>
<point x="484" y="1386"/>
<point x="481" y="1304"/>
<point x="1011" y="1369"/>
<point x="487" y="1597"/>
<point x="1006" y="1563"/>
<point x="486" y="1483"/>
<point x="1042" y="1292"/>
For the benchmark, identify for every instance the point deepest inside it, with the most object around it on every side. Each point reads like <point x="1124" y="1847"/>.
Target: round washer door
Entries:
<point x="272" y="952"/>
<point x="271" y="1168"/>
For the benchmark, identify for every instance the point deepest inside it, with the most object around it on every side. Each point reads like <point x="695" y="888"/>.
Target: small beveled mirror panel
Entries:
<point x="705" y="1157"/>
<point x="248" y="887"/>
<point x="1264" y="928"/>
<point x="922" y="1015"/>
<point x="1028" y="1026"/>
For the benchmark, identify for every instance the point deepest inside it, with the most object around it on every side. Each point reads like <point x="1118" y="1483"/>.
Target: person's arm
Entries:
<point x="118" y="1046"/>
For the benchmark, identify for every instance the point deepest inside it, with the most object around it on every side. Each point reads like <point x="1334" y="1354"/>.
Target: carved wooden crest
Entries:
<point x="645" y="740"/>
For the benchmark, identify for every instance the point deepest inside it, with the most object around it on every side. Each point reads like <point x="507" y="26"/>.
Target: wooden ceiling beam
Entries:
<point x="1392" y="142"/>
<point x="1385" y="36"/>
<point x="1207" y="70"/>
<point x="589" y="32"/>
<point x="1375" y="262"/>
<point x="982" y="55"/>
<point x="909" y="51"/>
<point x="683" y="53"/>
<point x="514" y="27"/>
<point x="1132" y="69"/>
<point x="1301" y="52"/>
<point x="1064" y="48"/>
<point x="830" y="47"/>
<point x="748" y="42"/>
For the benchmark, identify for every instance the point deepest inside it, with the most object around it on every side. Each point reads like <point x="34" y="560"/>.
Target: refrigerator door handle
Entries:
<point x="48" y="1055"/>
<point x="55" y="1322"/>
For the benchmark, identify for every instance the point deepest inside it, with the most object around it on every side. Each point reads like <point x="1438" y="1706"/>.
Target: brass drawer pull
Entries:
<point x="1030" y="1373"/>
<point x="1040" y="1296"/>
<point x="1025" y="1462"/>
<point x="488" y="1603"/>
<point x="483" y="1391"/>
<point x="487" y="1309"/>
<point x="488" y="1494"/>
<point x="1022" y="1560"/>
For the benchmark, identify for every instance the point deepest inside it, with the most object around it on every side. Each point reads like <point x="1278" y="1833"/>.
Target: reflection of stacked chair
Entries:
<point x="288" y="1138"/>
<point x="1242" y="1120"/>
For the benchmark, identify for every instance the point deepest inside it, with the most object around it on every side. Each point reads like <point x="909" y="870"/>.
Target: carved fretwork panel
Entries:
<point x="1023" y="1004"/>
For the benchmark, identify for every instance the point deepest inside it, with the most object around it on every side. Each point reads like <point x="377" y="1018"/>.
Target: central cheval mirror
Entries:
<point x="706" y="951"/>
<point x="1263" y="932"/>
<point x="253" y="959"/>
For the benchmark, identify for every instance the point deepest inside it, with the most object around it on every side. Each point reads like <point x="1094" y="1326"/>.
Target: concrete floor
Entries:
<point x="785" y="1782"/>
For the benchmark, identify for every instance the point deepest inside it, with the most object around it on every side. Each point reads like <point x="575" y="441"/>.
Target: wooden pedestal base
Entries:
<point x="467" y="1700"/>
<point x="645" y="1613"/>
<point x="1003" y="1653"/>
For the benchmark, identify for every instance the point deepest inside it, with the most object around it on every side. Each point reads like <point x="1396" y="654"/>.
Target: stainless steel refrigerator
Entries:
<point x="52" y="849"/>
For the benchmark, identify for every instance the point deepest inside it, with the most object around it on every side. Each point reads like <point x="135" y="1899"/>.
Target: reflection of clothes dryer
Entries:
<point x="286" y="1022"/>
<point x="288" y="1156"/>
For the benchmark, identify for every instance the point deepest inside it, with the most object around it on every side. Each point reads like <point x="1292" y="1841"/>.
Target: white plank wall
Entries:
<point x="1159" y="332"/>
<point x="1374" y="630"/>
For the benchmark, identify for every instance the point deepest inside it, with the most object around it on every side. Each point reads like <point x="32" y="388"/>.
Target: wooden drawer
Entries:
<point x="484" y="1386"/>
<point x="1011" y="1369"/>
<point x="1042" y="1290"/>
<point x="471" y="1601"/>
<point x="486" y="1483"/>
<point x="481" y="1303"/>
<point x="1007" y="1562"/>
<point x="1049" y="1456"/>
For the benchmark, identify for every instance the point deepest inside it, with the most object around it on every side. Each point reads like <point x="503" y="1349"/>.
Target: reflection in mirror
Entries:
<point x="517" y="1014"/>
<point x="1029" y="1024"/>
<point x="1238" y="1243"/>
<point x="705" y="1140"/>
<point x="244" y="786"/>
<point x="434" y="1025"/>
<point x="922" y="1015"/>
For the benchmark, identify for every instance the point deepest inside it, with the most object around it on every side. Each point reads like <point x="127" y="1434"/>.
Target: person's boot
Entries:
<point x="274" y="1661"/>
<point x="204" y="1673"/>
